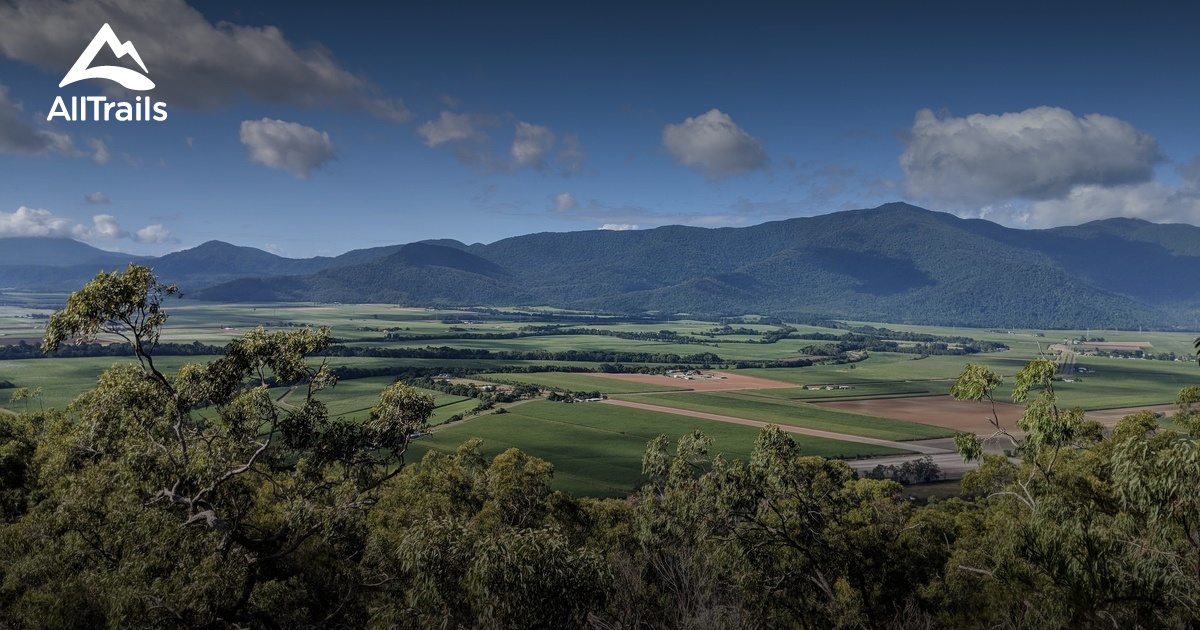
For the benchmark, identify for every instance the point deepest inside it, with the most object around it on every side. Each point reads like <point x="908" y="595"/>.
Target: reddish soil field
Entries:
<point x="719" y="381"/>
<point x="938" y="411"/>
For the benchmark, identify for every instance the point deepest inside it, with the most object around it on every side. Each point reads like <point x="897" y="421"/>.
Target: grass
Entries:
<point x="860" y="391"/>
<point x="579" y="382"/>
<point x="355" y="397"/>
<point x="893" y="367"/>
<point x="751" y="406"/>
<point x="1126" y="382"/>
<point x="62" y="380"/>
<point x="597" y="449"/>
<point x="443" y="413"/>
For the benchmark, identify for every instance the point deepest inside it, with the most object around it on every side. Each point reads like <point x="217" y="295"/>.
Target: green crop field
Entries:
<point x="746" y="404"/>
<point x="579" y="382"/>
<point x="597" y="449"/>
<point x="355" y="397"/>
<point x="62" y="380"/>
<point x="1126" y="382"/>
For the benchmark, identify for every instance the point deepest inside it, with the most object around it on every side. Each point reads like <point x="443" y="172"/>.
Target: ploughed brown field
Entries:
<point x="939" y="411"/>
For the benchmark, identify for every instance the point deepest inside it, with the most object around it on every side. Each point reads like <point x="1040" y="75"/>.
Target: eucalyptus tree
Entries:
<point x="1078" y="526"/>
<point x="195" y="497"/>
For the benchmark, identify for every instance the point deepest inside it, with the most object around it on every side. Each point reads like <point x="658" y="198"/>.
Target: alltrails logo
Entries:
<point x="100" y="107"/>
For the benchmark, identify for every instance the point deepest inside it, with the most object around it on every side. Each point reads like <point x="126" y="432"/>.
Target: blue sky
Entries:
<point x="311" y="129"/>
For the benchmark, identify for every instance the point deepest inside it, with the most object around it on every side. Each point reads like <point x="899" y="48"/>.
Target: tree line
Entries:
<point x="591" y="356"/>
<point x="24" y="350"/>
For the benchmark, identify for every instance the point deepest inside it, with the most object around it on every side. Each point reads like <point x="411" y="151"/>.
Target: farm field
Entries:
<point x="354" y="398"/>
<point x="560" y="343"/>
<point x="887" y="389"/>
<point x="939" y="411"/>
<point x="62" y="380"/>
<point x="886" y="395"/>
<point x="709" y="381"/>
<point x="1112" y="382"/>
<point x="895" y="368"/>
<point x="597" y="449"/>
<point x="747" y="405"/>
<point x="581" y="382"/>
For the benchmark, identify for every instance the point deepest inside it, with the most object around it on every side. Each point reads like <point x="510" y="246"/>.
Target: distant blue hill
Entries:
<point x="895" y="263"/>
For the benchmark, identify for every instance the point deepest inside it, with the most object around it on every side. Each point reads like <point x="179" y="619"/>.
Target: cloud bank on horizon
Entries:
<point x="31" y="222"/>
<point x="492" y="138"/>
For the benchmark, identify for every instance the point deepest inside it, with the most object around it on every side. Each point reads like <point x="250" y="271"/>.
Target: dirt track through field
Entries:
<point x="904" y="446"/>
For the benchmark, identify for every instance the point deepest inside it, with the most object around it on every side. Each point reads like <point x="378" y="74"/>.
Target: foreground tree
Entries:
<point x="194" y="497"/>
<point x="463" y="542"/>
<point x="1078" y="528"/>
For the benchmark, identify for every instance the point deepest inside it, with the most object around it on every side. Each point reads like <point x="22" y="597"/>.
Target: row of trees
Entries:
<point x="594" y="356"/>
<point x="190" y="499"/>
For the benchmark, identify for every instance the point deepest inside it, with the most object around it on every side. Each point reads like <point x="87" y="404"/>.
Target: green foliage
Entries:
<point x="1082" y="529"/>
<point x="460" y="541"/>
<point x="128" y="304"/>
<point x="976" y="383"/>
<point x="207" y="498"/>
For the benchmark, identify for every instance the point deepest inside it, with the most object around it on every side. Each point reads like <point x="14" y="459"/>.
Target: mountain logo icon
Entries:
<point x="130" y="79"/>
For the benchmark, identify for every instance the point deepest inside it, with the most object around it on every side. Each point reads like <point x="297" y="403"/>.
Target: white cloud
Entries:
<point x="449" y="127"/>
<point x="618" y="227"/>
<point x="154" y="234"/>
<point x="564" y="202"/>
<point x="19" y="136"/>
<point x="713" y="144"/>
<point x="193" y="62"/>
<point x="104" y="227"/>
<point x="1152" y="201"/>
<point x="190" y="140"/>
<point x="1038" y="154"/>
<point x="100" y="153"/>
<point x="286" y="145"/>
<point x="531" y="144"/>
<point x="34" y="222"/>
<point x="96" y="198"/>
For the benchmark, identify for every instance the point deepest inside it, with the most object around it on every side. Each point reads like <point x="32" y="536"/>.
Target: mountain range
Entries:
<point x="895" y="263"/>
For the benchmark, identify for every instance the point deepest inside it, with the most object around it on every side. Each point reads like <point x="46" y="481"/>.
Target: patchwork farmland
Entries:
<point x="588" y="392"/>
